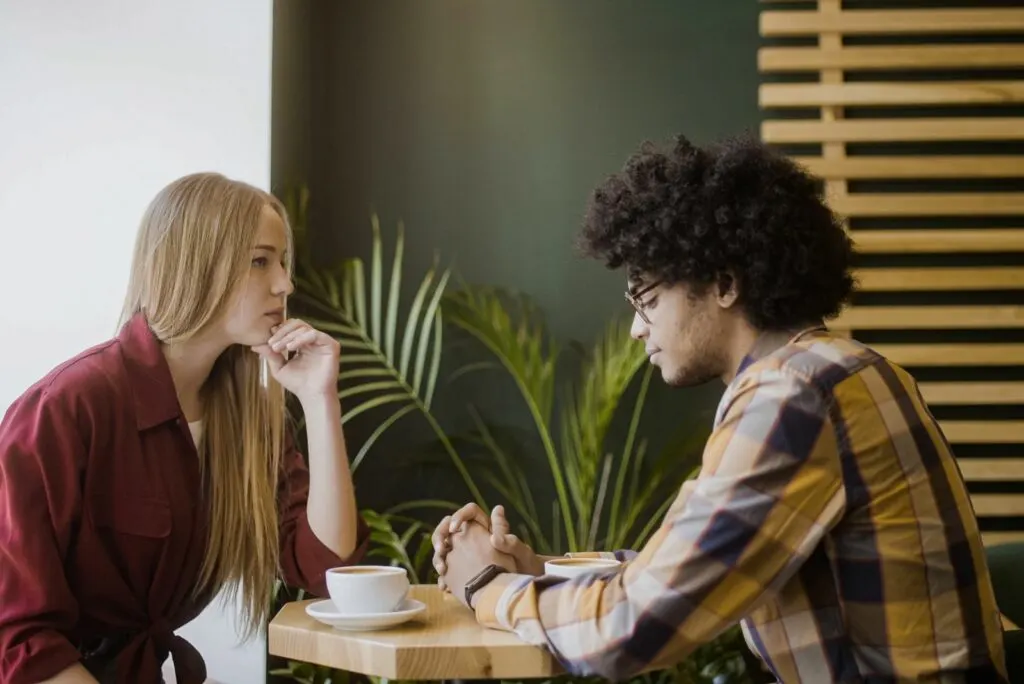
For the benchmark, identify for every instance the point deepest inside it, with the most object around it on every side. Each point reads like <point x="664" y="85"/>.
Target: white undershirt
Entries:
<point x="196" y="428"/>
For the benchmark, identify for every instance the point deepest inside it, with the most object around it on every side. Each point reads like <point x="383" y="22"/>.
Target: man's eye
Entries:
<point x="259" y="262"/>
<point x="651" y="303"/>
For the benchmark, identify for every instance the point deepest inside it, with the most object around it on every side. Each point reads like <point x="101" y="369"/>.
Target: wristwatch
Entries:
<point x="482" y="579"/>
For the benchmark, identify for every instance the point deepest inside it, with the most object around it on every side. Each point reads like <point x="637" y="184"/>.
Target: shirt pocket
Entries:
<point x="140" y="517"/>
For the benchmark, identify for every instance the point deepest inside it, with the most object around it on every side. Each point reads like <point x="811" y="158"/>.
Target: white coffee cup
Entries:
<point x="367" y="589"/>
<point x="574" y="567"/>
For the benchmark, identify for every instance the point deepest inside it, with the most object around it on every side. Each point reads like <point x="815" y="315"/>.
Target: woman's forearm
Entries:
<point x="331" y="507"/>
<point x="76" y="674"/>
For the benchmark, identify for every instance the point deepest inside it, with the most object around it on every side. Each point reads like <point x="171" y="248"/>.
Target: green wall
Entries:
<point x="484" y="125"/>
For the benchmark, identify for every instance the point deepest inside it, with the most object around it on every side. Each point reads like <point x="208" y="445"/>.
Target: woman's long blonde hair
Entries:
<point x="192" y="254"/>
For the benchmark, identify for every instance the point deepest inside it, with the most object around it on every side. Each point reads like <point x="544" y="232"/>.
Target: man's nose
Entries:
<point x="639" y="329"/>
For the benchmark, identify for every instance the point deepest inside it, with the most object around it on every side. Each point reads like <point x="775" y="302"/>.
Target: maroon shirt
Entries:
<point x="102" y="526"/>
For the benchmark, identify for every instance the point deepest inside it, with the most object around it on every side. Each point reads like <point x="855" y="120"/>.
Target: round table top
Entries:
<point x="446" y="642"/>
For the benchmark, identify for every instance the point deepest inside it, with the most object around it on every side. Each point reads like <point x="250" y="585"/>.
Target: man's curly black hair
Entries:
<point x="693" y="214"/>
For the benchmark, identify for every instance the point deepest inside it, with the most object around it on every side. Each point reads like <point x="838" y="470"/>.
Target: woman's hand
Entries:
<point x="312" y="370"/>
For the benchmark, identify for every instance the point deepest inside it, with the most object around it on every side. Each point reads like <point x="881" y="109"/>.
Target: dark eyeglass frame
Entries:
<point x="634" y="299"/>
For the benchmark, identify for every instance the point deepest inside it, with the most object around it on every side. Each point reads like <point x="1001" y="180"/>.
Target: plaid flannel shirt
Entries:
<point x="829" y="517"/>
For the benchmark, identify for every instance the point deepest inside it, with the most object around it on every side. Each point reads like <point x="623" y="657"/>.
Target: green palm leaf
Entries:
<point x="519" y="343"/>
<point x="590" y="409"/>
<point x="377" y="366"/>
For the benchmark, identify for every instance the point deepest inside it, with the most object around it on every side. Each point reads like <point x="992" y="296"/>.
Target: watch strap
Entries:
<point x="481" y="580"/>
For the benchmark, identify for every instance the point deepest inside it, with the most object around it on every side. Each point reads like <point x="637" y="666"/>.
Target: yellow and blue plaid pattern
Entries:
<point x="829" y="517"/>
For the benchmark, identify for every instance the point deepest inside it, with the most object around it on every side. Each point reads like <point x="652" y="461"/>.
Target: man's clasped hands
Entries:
<point x="469" y="540"/>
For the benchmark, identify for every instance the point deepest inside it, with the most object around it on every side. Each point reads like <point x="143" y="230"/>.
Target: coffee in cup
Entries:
<point x="367" y="589"/>
<point x="574" y="567"/>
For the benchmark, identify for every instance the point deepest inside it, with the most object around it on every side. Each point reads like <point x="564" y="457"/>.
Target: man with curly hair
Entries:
<point x="829" y="517"/>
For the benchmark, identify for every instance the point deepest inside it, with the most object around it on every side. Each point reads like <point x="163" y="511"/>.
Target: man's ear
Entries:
<point x="727" y="290"/>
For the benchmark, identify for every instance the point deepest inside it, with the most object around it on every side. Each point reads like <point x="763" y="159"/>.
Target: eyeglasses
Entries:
<point x="634" y="299"/>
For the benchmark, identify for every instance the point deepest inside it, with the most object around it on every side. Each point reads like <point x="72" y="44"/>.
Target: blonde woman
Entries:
<point x="148" y="473"/>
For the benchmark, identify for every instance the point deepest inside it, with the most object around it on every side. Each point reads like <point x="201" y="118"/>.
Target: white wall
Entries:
<point x="102" y="102"/>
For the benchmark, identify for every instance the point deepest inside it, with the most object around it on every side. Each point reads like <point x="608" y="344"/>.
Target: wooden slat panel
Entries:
<point x="984" y="431"/>
<point x="991" y="469"/>
<point x="984" y="166"/>
<point x="929" y="204"/>
<point x="832" y="150"/>
<point x="973" y="393"/>
<point x="977" y="354"/>
<point x="832" y="131"/>
<point x="939" y="241"/>
<point x="931" y="317"/>
<point x="945" y="279"/>
<point x="949" y="21"/>
<point x="773" y="59"/>
<point x="893" y="130"/>
<point x="877" y="94"/>
<point x="998" y="505"/>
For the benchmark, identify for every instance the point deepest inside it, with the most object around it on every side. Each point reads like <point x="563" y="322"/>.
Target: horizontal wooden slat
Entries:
<point x="984" y="431"/>
<point x="983" y="166"/>
<point x="973" y="393"/>
<point x="773" y="59"/>
<point x="998" y="505"/>
<point x="949" y="21"/>
<point x="945" y="279"/>
<point x="960" y="355"/>
<point x="991" y="469"/>
<point x="893" y="130"/>
<point x="1002" y="537"/>
<point x="931" y="317"/>
<point x="880" y="94"/>
<point x="939" y="241"/>
<point x="929" y="204"/>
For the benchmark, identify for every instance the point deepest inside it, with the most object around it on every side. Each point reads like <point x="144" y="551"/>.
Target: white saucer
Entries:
<point x="326" y="612"/>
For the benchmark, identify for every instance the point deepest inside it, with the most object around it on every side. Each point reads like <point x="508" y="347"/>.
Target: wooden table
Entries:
<point x="444" y="643"/>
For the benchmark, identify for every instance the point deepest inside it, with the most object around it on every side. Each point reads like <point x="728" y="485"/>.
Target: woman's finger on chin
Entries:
<point x="281" y="331"/>
<point x="301" y="338"/>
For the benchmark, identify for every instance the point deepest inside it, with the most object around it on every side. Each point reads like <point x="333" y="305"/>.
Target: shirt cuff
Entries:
<point x="314" y="558"/>
<point x="493" y="601"/>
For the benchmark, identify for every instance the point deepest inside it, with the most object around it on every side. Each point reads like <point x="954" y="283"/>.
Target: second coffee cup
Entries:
<point x="574" y="567"/>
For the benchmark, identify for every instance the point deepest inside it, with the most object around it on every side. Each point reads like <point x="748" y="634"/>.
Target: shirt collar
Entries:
<point x="751" y="357"/>
<point x="153" y="390"/>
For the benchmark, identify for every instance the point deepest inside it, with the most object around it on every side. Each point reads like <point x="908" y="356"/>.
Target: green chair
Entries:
<point x="1006" y="567"/>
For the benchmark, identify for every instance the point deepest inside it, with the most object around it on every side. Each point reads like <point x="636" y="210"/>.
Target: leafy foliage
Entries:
<point x="382" y="364"/>
<point x="600" y="499"/>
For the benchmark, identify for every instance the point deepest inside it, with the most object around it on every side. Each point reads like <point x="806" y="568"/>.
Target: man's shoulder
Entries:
<point x="823" y="362"/>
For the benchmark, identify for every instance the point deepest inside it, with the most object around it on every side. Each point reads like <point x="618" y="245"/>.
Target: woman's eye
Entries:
<point x="259" y="262"/>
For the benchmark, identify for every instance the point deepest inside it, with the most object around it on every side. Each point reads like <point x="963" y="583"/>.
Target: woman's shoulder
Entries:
<point x="93" y="377"/>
